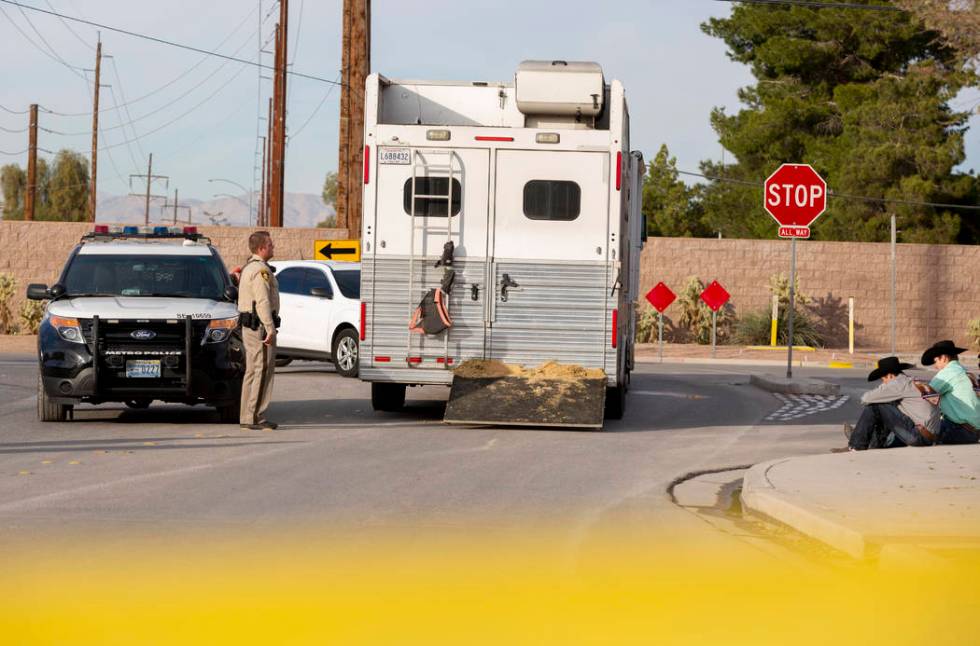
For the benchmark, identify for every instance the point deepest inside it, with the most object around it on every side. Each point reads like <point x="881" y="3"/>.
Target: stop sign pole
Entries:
<point x="795" y="195"/>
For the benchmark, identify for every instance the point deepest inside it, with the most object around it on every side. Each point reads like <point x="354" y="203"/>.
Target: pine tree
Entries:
<point x="864" y="96"/>
<point x="670" y="207"/>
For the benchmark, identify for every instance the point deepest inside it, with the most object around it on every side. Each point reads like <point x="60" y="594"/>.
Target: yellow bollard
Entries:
<point x="775" y="320"/>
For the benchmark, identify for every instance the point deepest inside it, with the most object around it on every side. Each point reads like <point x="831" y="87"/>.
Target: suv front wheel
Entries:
<point x="48" y="411"/>
<point x="345" y="349"/>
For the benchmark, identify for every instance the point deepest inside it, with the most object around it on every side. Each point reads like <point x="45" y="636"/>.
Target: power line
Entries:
<point x="122" y="93"/>
<point x="6" y="109"/>
<point x="315" y="111"/>
<point x="172" y="101"/>
<point x="13" y="132"/>
<point x="844" y="196"/>
<point x="815" y="4"/>
<point x="30" y="40"/>
<point x="163" y="87"/>
<point x="4" y="152"/>
<point x="164" y="41"/>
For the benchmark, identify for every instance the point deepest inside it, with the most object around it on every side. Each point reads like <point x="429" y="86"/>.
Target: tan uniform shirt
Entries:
<point x="258" y="285"/>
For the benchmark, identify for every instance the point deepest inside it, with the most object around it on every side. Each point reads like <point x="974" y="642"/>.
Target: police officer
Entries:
<point x="258" y="307"/>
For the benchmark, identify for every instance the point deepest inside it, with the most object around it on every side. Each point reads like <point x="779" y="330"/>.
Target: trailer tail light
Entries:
<point x="382" y="359"/>
<point x="495" y="139"/>
<point x="619" y="170"/>
<point x="547" y="138"/>
<point x="438" y="135"/>
<point x="615" y="327"/>
<point x="367" y="164"/>
<point x="363" y="329"/>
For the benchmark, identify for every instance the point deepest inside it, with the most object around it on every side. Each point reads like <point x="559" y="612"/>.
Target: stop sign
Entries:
<point x="795" y="196"/>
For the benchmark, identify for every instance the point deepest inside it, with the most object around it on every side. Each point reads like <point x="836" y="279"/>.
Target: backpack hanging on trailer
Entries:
<point x="432" y="314"/>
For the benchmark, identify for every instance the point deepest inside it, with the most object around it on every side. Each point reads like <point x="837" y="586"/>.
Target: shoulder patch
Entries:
<point x="265" y="274"/>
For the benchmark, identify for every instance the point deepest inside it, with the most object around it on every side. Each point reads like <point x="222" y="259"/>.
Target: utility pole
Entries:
<point x="94" y="180"/>
<point x="259" y="215"/>
<point x="29" y="199"/>
<point x="268" y="171"/>
<point x="356" y="65"/>
<point x="150" y="177"/>
<point x="278" y="159"/>
<point x="177" y="205"/>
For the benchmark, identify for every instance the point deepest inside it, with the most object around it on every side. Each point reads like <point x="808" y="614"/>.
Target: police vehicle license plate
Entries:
<point x="143" y="368"/>
<point x="394" y="156"/>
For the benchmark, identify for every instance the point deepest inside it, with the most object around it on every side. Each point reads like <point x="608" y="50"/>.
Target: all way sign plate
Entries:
<point x="343" y="250"/>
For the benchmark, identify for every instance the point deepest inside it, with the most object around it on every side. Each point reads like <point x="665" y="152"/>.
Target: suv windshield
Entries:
<point x="133" y="275"/>
<point x="349" y="282"/>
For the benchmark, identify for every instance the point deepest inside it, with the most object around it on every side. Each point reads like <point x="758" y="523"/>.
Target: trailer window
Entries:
<point x="432" y="206"/>
<point x="546" y="199"/>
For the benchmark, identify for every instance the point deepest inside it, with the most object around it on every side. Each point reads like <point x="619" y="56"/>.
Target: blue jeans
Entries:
<point x="952" y="433"/>
<point x="884" y="426"/>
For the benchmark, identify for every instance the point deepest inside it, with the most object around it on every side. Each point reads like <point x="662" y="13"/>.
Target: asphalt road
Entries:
<point x="334" y="462"/>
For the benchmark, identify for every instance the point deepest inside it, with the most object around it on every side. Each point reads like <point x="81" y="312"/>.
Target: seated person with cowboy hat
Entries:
<point x="894" y="413"/>
<point x="958" y="400"/>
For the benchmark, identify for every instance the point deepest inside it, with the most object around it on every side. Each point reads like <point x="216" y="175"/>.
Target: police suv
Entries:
<point x="139" y="315"/>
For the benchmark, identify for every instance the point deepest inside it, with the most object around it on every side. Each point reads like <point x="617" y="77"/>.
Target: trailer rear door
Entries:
<point x="549" y="235"/>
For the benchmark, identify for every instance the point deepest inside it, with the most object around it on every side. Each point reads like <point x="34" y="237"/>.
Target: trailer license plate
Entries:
<point x="143" y="369"/>
<point x="394" y="156"/>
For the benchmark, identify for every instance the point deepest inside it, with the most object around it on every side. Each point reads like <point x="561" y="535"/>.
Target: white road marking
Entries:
<point x="798" y="406"/>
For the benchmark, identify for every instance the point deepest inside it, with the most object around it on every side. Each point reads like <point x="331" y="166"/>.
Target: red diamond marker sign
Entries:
<point x="715" y="296"/>
<point x="661" y="297"/>
<point x="795" y="196"/>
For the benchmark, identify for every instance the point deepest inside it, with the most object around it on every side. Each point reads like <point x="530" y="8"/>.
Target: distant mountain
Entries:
<point x="301" y="210"/>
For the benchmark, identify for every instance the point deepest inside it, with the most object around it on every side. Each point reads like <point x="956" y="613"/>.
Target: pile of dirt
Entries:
<point x="486" y="368"/>
<point x="548" y="371"/>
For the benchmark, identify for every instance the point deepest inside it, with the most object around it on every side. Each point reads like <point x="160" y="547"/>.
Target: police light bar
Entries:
<point x="101" y="229"/>
<point x="190" y="230"/>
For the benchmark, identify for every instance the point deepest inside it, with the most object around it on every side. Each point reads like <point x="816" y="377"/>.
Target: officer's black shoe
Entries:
<point x="266" y="425"/>
<point x="252" y="427"/>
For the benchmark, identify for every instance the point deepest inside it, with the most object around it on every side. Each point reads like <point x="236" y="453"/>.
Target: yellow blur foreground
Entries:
<point x="420" y="589"/>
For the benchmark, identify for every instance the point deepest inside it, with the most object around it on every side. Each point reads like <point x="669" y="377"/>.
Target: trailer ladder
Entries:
<point x="450" y="168"/>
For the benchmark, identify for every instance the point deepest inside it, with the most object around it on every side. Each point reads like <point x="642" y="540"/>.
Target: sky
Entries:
<point x="198" y="115"/>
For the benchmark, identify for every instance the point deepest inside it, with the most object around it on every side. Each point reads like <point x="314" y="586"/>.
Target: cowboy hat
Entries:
<point x="943" y="347"/>
<point x="888" y="366"/>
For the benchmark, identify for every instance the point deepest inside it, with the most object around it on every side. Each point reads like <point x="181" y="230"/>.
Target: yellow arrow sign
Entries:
<point x="344" y="250"/>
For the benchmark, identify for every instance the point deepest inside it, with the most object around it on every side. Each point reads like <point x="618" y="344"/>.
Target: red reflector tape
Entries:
<point x="415" y="359"/>
<point x="382" y="359"/>
<point x="495" y="139"/>
<point x="444" y="360"/>
<point x="363" y="320"/>
<point x="615" y="327"/>
<point x="367" y="164"/>
<point x="619" y="170"/>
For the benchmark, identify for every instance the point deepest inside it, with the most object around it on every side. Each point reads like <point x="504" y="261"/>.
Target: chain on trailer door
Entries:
<point x="550" y="258"/>
<point x="405" y="255"/>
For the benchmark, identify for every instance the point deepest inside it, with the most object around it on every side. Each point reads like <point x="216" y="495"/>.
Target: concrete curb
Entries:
<point x="759" y="497"/>
<point x="788" y="386"/>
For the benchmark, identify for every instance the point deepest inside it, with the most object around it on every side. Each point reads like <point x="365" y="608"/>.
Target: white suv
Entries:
<point x="320" y="308"/>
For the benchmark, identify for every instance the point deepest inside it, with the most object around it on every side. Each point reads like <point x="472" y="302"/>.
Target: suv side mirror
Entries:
<point x="231" y="294"/>
<point x="56" y="291"/>
<point x="37" y="292"/>
<point x="320" y="292"/>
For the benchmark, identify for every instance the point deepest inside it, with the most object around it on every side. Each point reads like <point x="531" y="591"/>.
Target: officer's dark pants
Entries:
<point x="883" y="426"/>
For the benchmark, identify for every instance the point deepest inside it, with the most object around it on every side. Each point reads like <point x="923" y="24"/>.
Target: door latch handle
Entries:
<point x="474" y="292"/>
<point x="506" y="283"/>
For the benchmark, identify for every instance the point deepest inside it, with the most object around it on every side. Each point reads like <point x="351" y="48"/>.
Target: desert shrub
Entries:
<point x="695" y="317"/>
<point x="7" y="287"/>
<point x="646" y="325"/>
<point x="755" y="328"/>
<point x="31" y="313"/>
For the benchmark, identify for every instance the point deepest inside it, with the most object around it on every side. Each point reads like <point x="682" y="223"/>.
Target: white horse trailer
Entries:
<point x="535" y="185"/>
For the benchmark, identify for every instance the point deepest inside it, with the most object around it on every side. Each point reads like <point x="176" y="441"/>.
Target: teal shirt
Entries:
<point x="959" y="402"/>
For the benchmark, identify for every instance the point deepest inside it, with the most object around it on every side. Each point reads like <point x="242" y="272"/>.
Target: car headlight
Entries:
<point x="68" y="329"/>
<point x="219" y="330"/>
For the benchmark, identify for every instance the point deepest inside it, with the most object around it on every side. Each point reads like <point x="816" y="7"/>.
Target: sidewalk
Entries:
<point x="818" y="358"/>
<point x="17" y="344"/>
<point x="875" y="504"/>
